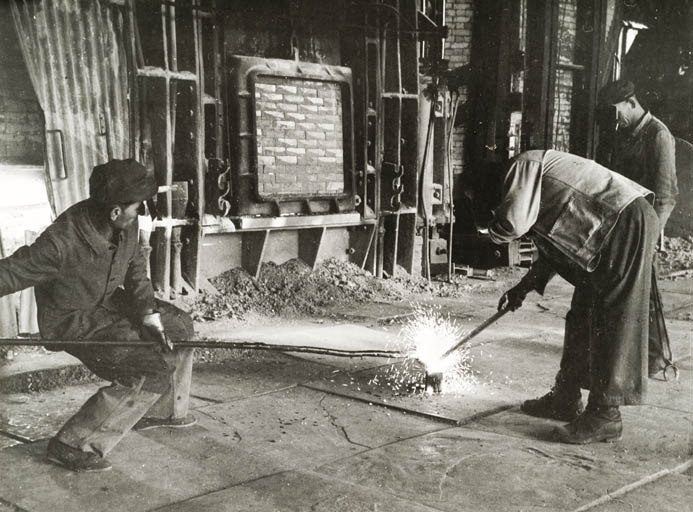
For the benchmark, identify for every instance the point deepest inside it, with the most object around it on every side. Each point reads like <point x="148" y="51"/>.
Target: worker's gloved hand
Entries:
<point x="513" y="298"/>
<point x="154" y="329"/>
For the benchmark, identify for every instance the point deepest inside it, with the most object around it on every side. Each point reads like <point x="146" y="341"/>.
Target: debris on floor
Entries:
<point x="293" y="288"/>
<point x="676" y="257"/>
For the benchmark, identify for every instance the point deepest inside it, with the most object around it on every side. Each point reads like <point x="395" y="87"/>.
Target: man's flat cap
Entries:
<point x="121" y="182"/>
<point x="616" y="92"/>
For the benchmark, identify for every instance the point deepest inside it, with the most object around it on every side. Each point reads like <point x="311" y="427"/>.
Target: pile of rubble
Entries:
<point x="676" y="257"/>
<point x="293" y="288"/>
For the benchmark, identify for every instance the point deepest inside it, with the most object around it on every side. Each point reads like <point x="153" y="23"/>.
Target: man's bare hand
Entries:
<point x="154" y="329"/>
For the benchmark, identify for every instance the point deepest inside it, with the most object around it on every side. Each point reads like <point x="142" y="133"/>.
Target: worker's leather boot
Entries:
<point x="75" y="459"/>
<point x="561" y="403"/>
<point x="596" y="424"/>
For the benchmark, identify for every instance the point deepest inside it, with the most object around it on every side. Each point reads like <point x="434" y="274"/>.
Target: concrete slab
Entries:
<point x="8" y="507"/>
<point x="338" y="363"/>
<point x="671" y="492"/>
<point x="278" y="425"/>
<point x="298" y="491"/>
<point x="682" y="314"/>
<point x="389" y="331"/>
<point x="675" y="394"/>
<point x="531" y="320"/>
<point x="37" y="371"/>
<point x="378" y="312"/>
<point x="509" y="364"/>
<point x="460" y="469"/>
<point x="276" y="445"/>
<point x="251" y="375"/>
<point x="675" y="300"/>
<point x="6" y="442"/>
<point x="682" y="311"/>
<point x="232" y="444"/>
<point x="35" y="416"/>
<point x="29" y="361"/>
<point x="678" y="285"/>
<point x="680" y="337"/>
<point x="349" y="337"/>
<point x="455" y="405"/>
<point x="146" y="474"/>
<point x="650" y="440"/>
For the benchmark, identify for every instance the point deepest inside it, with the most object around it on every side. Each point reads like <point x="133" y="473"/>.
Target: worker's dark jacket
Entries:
<point x="76" y="273"/>
<point x="570" y="202"/>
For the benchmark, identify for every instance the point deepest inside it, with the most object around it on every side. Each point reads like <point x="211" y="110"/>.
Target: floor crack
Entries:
<point x="333" y="421"/>
<point x="449" y="470"/>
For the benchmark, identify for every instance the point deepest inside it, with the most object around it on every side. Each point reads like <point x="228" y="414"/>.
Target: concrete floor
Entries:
<point x="299" y="432"/>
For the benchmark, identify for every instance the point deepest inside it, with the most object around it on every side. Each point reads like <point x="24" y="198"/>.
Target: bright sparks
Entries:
<point x="426" y="336"/>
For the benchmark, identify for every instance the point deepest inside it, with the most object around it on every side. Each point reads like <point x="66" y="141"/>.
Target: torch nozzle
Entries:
<point x="434" y="381"/>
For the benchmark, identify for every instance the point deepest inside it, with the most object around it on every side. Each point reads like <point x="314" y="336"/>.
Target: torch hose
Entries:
<point x="65" y="344"/>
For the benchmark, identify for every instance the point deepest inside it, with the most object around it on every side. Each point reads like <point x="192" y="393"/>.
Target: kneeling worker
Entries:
<point x="91" y="283"/>
<point x="597" y="230"/>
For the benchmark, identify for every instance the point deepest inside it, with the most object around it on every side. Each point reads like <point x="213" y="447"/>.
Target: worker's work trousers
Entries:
<point x="606" y="333"/>
<point x="145" y="381"/>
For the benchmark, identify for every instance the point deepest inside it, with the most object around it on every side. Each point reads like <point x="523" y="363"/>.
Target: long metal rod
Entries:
<point x="476" y="331"/>
<point x="62" y="344"/>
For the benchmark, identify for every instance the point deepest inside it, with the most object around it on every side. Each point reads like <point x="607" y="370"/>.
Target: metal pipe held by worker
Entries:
<point x="467" y="337"/>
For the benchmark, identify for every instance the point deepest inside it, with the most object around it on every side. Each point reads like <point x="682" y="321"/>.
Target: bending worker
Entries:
<point x="91" y="283"/>
<point x="597" y="230"/>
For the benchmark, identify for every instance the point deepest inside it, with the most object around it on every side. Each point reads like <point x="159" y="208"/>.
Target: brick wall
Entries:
<point x="459" y="19"/>
<point x="300" y="143"/>
<point x="21" y="118"/>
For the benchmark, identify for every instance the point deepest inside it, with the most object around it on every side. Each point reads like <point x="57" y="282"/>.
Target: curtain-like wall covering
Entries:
<point x="75" y="53"/>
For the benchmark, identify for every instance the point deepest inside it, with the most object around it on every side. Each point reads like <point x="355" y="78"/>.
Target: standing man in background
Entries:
<point x="644" y="151"/>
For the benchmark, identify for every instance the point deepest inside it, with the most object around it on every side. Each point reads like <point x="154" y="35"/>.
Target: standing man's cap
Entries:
<point x="121" y="182"/>
<point x="616" y="92"/>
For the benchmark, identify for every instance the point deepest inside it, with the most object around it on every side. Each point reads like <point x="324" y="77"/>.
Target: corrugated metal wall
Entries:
<point x="74" y="51"/>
